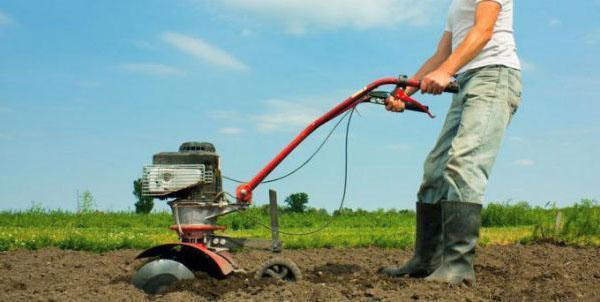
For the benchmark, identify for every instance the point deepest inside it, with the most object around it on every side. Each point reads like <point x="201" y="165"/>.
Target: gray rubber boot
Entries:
<point x="460" y="232"/>
<point x="428" y="247"/>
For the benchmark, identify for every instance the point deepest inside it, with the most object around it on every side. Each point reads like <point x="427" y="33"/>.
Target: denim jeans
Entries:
<point x="459" y="166"/>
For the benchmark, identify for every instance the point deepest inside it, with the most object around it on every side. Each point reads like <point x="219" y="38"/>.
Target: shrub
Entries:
<point x="579" y="224"/>
<point x="505" y="214"/>
<point x="297" y="202"/>
<point x="144" y="204"/>
<point x="86" y="203"/>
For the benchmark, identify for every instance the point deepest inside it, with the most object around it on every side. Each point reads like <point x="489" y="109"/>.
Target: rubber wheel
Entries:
<point x="157" y="276"/>
<point x="280" y="268"/>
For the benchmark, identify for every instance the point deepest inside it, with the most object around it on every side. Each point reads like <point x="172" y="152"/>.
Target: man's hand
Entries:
<point x="394" y="105"/>
<point x="436" y="82"/>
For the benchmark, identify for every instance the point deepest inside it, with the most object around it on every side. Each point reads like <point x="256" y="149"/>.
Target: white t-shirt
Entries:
<point x="500" y="50"/>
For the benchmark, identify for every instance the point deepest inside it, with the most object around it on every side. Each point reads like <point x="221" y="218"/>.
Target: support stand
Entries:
<point x="276" y="243"/>
<point x="278" y="267"/>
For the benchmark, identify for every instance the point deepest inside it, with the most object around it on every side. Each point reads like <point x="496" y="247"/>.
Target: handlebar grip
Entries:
<point x="453" y="87"/>
<point x="413" y="107"/>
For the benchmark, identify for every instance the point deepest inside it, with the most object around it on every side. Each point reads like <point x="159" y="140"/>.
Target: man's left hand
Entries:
<point x="435" y="82"/>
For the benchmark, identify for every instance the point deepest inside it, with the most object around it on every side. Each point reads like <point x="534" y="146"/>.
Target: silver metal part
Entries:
<point x="157" y="276"/>
<point x="378" y="97"/>
<point x="197" y="213"/>
<point x="159" y="180"/>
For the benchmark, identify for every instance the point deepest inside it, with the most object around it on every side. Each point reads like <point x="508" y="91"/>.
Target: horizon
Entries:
<point x="38" y="207"/>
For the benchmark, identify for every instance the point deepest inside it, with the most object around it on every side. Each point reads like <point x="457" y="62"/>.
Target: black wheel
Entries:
<point x="280" y="268"/>
<point x="157" y="276"/>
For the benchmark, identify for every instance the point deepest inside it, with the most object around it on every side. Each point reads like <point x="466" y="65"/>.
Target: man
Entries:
<point x="478" y="48"/>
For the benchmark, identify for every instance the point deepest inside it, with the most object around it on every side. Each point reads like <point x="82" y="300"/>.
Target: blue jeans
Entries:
<point x="459" y="166"/>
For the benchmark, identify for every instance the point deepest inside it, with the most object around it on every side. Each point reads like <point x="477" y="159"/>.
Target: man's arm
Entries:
<point x="486" y="15"/>
<point x="443" y="51"/>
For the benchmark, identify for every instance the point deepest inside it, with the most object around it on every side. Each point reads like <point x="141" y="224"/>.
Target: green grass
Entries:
<point x="579" y="225"/>
<point x="521" y="213"/>
<point x="100" y="231"/>
<point x="43" y="218"/>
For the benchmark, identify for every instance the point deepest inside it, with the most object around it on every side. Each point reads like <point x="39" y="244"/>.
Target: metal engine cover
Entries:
<point x="192" y="172"/>
<point x="164" y="179"/>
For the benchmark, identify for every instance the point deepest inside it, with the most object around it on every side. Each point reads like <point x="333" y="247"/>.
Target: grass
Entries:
<point x="578" y="225"/>
<point x="99" y="231"/>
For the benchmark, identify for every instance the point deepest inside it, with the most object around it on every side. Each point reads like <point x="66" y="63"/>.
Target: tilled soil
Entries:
<point x="505" y="273"/>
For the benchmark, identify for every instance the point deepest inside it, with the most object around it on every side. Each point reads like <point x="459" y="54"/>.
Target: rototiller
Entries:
<point x="192" y="181"/>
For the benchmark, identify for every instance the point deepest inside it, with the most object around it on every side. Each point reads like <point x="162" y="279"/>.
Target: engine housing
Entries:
<point x="193" y="173"/>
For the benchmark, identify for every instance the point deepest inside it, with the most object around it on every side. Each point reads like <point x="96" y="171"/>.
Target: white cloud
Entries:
<point x="203" y="51"/>
<point x="231" y="131"/>
<point x="229" y="115"/>
<point x="586" y="84"/>
<point x="6" y="110"/>
<point x="516" y="139"/>
<point x="145" y="45"/>
<point x="246" y="32"/>
<point x="153" y="69"/>
<point x="527" y="66"/>
<point x="524" y="162"/>
<point x="592" y="38"/>
<point x="5" y="19"/>
<point x="298" y="16"/>
<point x="285" y="116"/>
<point x="555" y="22"/>
<point x="279" y="115"/>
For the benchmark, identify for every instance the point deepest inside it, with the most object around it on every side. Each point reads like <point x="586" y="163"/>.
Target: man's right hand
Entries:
<point x="396" y="105"/>
<point x="393" y="104"/>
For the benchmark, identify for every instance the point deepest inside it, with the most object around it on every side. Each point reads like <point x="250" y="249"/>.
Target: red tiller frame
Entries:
<point x="244" y="191"/>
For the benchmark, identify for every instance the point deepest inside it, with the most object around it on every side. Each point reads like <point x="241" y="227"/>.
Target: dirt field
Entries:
<point x="505" y="273"/>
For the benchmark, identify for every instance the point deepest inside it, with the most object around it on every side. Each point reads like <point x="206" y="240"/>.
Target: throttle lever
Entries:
<point x="400" y="94"/>
<point x="380" y="98"/>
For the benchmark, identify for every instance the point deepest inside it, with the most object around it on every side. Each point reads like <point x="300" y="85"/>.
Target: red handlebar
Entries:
<point x="244" y="191"/>
<point x="404" y="81"/>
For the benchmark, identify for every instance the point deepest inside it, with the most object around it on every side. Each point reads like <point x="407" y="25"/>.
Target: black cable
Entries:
<point x="344" y="190"/>
<point x="304" y="163"/>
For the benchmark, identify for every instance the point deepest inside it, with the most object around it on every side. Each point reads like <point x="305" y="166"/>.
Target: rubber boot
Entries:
<point x="428" y="248"/>
<point x="460" y="232"/>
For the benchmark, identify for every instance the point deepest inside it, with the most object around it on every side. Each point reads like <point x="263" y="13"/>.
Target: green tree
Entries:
<point x="86" y="202"/>
<point x="144" y="204"/>
<point x="297" y="202"/>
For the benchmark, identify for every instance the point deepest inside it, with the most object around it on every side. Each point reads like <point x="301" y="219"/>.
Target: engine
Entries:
<point x="192" y="173"/>
<point x="191" y="179"/>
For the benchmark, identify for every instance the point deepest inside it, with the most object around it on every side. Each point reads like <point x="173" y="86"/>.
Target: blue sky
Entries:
<point x="89" y="90"/>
